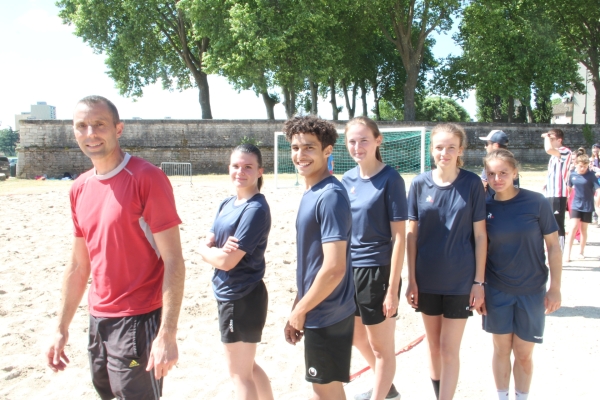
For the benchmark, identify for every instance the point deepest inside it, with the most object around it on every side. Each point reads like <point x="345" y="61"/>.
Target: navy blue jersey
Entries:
<point x="250" y="222"/>
<point x="445" y="241"/>
<point x="516" y="262"/>
<point x="324" y="216"/>
<point x="585" y="185"/>
<point x="375" y="202"/>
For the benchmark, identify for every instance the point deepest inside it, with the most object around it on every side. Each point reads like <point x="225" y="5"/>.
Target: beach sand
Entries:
<point x="35" y="242"/>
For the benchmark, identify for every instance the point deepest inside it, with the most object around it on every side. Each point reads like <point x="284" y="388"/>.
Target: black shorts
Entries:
<point x="327" y="352"/>
<point x="559" y="208"/>
<point x="371" y="284"/>
<point x="118" y="351"/>
<point x="243" y="320"/>
<point x="583" y="216"/>
<point x="450" y="306"/>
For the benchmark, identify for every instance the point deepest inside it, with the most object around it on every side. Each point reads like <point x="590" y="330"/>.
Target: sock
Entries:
<point x="436" y="388"/>
<point x="503" y="394"/>
<point x="521" y="396"/>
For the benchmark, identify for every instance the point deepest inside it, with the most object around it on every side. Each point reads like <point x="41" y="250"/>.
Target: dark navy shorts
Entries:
<point x="243" y="320"/>
<point x="327" y="352"/>
<point x="371" y="285"/>
<point x="582" y="215"/>
<point x="450" y="306"/>
<point x="523" y="315"/>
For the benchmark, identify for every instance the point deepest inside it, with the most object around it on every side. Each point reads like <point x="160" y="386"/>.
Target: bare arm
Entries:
<point x="292" y="335"/>
<point x="327" y="279"/>
<point x="219" y="258"/>
<point x="75" y="280"/>
<point x="548" y="146"/>
<point x="553" y="296"/>
<point x="477" y="293"/>
<point x="412" y="292"/>
<point x="164" y="353"/>
<point x="390" y="304"/>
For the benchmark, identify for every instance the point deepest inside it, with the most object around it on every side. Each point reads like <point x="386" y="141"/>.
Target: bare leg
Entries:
<point x="242" y="369"/>
<point x="433" y="329"/>
<point x="328" y="391"/>
<point x="573" y="222"/>
<point x="523" y="368"/>
<point x="501" y="360"/>
<point x="361" y="342"/>
<point x="584" y="229"/>
<point x="381" y="339"/>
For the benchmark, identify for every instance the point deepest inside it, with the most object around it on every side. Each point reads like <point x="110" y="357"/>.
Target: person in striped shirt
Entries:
<point x="558" y="174"/>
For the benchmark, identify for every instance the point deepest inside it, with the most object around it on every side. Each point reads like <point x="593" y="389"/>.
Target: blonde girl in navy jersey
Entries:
<point x="379" y="211"/>
<point x="446" y="248"/>
<point x="235" y="247"/>
<point x="519" y="223"/>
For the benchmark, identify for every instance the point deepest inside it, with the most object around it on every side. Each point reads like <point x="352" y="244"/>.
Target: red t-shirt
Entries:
<point x="117" y="214"/>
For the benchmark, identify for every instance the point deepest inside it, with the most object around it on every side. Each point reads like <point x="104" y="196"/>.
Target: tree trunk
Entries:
<point x="347" y="99"/>
<point x="203" y="94"/>
<point x="289" y="101"/>
<point x="530" y="117"/>
<point x="314" y="96"/>
<point x="269" y="104"/>
<point x="376" y="101"/>
<point x="333" y="100"/>
<point x="511" y="108"/>
<point x="596" y="82"/>
<point x="410" y="86"/>
<point x="363" y="97"/>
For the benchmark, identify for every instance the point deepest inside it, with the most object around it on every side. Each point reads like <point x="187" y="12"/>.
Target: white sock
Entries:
<point x="521" y="396"/>
<point x="503" y="394"/>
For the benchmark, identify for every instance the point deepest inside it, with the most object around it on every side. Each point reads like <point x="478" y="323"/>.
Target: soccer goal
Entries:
<point x="405" y="149"/>
<point x="177" y="171"/>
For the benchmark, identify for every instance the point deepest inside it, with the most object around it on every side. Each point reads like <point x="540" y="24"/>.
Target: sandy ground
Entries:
<point x="35" y="240"/>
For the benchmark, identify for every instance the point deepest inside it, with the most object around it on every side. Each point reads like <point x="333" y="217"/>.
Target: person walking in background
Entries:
<point x="519" y="222"/>
<point x="595" y="167"/>
<point x="379" y="212"/>
<point x="235" y="247"/>
<point x="446" y="249"/>
<point x="126" y="232"/>
<point x="558" y="174"/>
<point x="587" y="192"/>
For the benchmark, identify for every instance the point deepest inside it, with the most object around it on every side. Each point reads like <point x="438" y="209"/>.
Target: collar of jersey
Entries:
<point x="115" y="171"/>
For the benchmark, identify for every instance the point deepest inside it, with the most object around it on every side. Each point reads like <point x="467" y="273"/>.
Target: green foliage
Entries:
<point x="388" y="112"/>
<point x="556" y="101"/>
<point x="250" y="140"/>
<point x="588" y="135"/>
<point x="442" y="109"/>
<point x="8" y="141"/>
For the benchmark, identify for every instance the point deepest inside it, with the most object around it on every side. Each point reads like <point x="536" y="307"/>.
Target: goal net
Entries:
<point x="405" y="149"/>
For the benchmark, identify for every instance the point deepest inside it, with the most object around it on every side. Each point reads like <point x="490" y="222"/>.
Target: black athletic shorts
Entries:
<point x="371" y="285"/>
<point x="243" y="320"/>
<point x="450" y="306"/>
<point x="327" y="352"/>
<point x="559" y="208"/>
<point x="583" y="216"/>
<point x="118" y="351"/>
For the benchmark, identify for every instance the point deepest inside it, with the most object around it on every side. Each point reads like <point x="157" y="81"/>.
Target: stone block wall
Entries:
<point x="49" y="147"/>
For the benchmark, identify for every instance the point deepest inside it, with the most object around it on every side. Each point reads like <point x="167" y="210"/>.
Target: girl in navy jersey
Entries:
<point x="519" y="222"/>
<point x="585" y="184"/>
<point x="379" y="211"/>
<point x="235" y="247"/>
<point x="446" y="248"/>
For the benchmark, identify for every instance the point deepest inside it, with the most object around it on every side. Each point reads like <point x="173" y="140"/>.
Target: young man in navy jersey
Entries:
<point x="323" y="311"/>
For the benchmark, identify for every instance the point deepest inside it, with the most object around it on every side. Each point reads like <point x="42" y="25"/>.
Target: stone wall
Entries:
<point x="48" y="146"/>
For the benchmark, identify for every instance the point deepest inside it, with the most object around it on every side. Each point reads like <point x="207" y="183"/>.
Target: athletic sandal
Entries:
<point x="392" y="394"/>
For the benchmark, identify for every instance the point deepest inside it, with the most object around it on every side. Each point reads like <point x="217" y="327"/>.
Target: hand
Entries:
<point x="163" y="355"/>
<point x="292" y="335"/>
<point x="552" y="300"/>
<point x="390" y="304"/>
<point x="230" y="245"/>
<point x="477" y="297"/>
<point x="482" y="310"/>
<point x="412" y="294"/>
<point x="545" y="135"/>
<point x="57" y="359"/>
<point x="297" y="319"/>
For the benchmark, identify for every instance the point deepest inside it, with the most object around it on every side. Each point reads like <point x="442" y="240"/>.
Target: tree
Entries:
<point x="8" y="141"/>
<point x="407" y="24"/>
<point x="578" y="25"/>
<point x="145" y="41"/>
<point x="437" y="108"/>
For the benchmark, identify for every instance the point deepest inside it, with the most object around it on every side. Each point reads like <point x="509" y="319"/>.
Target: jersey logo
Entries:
<point x="312" y="371"/>
<point x="352" y="191"/>
<point x="231" y="325"/>
<point x="133" y="363"/>
<point x="490" y="216"/>
<point x="556" y="212"/>
<point x="538" y="337"/>
<point x="429" y="199"/>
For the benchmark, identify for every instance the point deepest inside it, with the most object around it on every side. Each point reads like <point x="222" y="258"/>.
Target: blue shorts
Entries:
<point x="523" y="315"/>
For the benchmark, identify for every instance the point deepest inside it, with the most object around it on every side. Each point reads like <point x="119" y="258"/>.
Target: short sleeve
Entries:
<point x="570" y="181"/>
<point x="159" y="212"/>
<point x="547" y="221"/>
<point x="254" y="225"/>
<point x="478" y="194"/>
<point x="413" y="206"/>
<point x="334" y="216"/>
<point x="596" y="183"/>
<point x="397" y="207"/>
<point x="76" y="228"/>
<point x="212" y="228"/>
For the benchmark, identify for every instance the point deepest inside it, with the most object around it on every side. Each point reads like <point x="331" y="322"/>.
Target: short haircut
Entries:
<point x="557" y="133"/>
<point x="324" y="130"/>
<point x="95" y="99"/>
<point x="455" y="130"/>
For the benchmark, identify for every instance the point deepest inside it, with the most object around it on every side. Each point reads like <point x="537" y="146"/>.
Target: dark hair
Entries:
<point x="251" y="149"/>
<point x="501" y="154"/>
<point x="557" y="133"/>
<point x="324" y="130"/>
<point x="93" y="100"/>
<point x="369" y="123"/>
<point x="582" y="156"/>
<point x="457" y="131"/>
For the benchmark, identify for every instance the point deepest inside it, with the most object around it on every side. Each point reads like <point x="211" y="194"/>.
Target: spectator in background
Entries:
<point x="493" y="141"/>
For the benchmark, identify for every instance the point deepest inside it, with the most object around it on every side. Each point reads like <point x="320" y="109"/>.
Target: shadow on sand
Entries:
<point x="577" y="311"/>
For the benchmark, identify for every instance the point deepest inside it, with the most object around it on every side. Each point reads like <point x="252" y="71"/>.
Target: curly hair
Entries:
<point x="324" y="131"/>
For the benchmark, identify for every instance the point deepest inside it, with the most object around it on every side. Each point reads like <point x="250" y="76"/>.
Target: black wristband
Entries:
<point x="478" y="283"/>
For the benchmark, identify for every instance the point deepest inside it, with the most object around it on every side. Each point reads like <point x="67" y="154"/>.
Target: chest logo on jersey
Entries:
<point x="353" y="190"/>
<point x="490" y="216"/>
<point x="429" y="199"/>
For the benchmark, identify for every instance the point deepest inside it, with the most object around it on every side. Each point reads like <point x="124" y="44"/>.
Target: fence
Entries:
<point x="177" y="171"/>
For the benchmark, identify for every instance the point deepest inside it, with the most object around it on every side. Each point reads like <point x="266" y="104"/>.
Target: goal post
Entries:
<point x="404" y="149"/>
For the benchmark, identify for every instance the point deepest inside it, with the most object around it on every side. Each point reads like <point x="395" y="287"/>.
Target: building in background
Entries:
<point x="584" y="109"/>
<point x="41" y="110"/>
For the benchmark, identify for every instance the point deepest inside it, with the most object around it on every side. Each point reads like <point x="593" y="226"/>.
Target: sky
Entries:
<point x="42" y="60"/>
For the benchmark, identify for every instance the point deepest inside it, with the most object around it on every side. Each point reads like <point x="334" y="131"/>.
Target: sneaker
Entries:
<point x="392" y="394"/>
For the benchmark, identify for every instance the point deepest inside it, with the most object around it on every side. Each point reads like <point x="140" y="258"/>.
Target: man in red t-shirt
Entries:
<point x="126" y="232"/>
